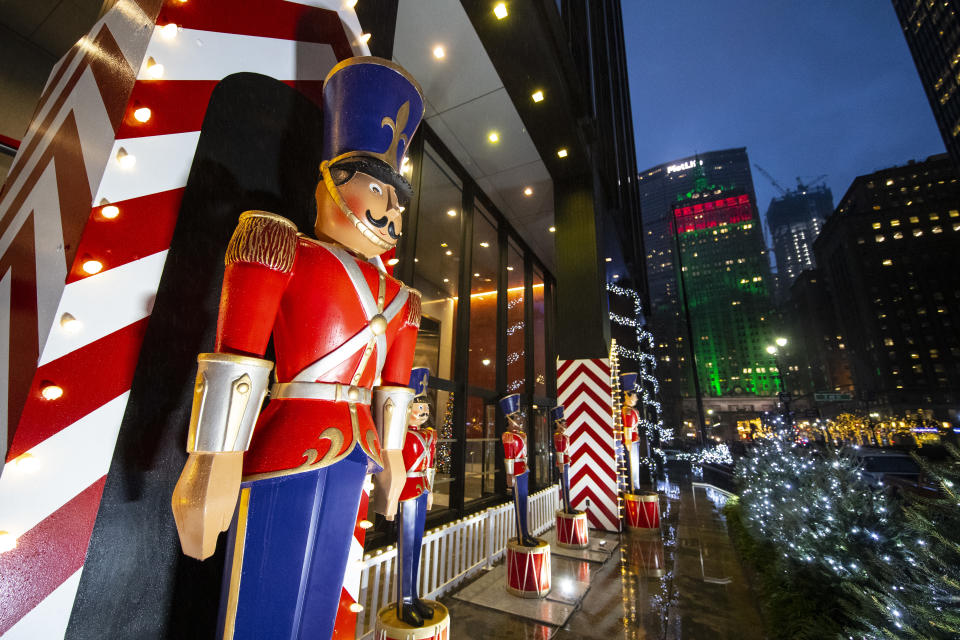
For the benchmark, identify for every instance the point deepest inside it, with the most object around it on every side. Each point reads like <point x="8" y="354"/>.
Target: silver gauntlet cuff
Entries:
<point x="390" y="406"/>
<point x="431" y="474"/>
<point x="226" y="402"/>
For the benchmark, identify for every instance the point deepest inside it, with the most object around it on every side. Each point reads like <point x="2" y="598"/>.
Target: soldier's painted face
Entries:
<point x="630" y="398"/>
<point x="419" y="413"/>
<point x="364" y="214"/>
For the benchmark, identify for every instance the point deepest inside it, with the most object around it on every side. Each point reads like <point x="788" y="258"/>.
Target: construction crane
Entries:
<point x="804" y="187"/>
<point x="769" y="177"/>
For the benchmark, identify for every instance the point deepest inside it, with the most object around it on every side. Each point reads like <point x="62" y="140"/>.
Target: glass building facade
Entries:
<point x="485" y="331"/>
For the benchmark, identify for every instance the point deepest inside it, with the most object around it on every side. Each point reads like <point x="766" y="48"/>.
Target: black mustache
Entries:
<point x="380" y="223"/>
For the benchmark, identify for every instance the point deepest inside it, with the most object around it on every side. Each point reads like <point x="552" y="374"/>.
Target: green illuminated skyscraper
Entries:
<point x="725" y="286"/>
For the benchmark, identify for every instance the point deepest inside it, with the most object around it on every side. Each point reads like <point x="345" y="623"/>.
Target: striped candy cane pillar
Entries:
<point x="86" y="218"/>
<point x="584" y="390"/>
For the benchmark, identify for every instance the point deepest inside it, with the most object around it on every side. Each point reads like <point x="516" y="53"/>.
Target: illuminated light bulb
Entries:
<point x="552" y="229"/>
<point x="142" y="114"/>
<point x="782" y="342"/>
<point x="154" y="69"/>
<point x="92" y="266"/>
<point x="364" y="38"/>
<point x="365" y="524"/>
<point x="69" y="323"/>
<point x="509" y="268"/>
<point x="486" y="362"/>
<point x="500" y="10"/>
<point x="446" y="279"/>
<point x="537" y="96"/>
<point x="484" y="244"/>
<point x="528" y="191"/>
<point x="356" y="607"/>
<point x="50" y="391"/>
<point x="476" y="275"/>
<point x="169" y="31"/>
<point x="452" y="213"/>
<point x="438" y="52"/>
<point x="110" y="211"/>
<point x="609" y="260"/>
<point x="493" y="137"/>
<point x="443" y="245"/>
<point x="126" y="160"/>
<point x="562" y="153"/>
<point x="393" y="261"/>
<point x="449" y="253"/>
<point x="8" y="541"/>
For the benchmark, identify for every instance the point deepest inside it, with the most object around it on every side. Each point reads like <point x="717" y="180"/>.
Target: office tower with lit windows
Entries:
<point x="661" y="187"/>
<point x="724" y="279"/>
<point x="891" y="257"/>
<point x="932" y="30"/>
<point x="795" y="219"/>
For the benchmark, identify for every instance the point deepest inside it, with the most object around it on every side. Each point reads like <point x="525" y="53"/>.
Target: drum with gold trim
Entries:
<point x="528" y="569"/>
<point x="572" y="530"/>
<point x="643" y="512"/>
<point x="389" y="627"/>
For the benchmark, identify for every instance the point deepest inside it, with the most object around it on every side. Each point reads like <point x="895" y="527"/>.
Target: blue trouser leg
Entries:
<point x="413" y="515"/>
<point x="287" y="552"/>
<point x="520" y="504"/>
<point x="566" y="488"/>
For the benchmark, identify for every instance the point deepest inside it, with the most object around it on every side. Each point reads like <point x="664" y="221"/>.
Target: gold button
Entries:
<point x="378" y="324"/>
<point x="353" y="394"/>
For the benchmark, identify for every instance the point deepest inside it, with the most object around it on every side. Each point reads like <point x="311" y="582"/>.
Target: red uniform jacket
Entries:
<point x="561" y="444"/>
<point x="419" y="454"/>
<point x="630" y="421"/>
<point x="515" y="449"/>
<point x="314" y="298"/>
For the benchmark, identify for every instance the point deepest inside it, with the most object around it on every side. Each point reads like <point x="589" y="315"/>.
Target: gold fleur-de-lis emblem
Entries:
<point x="396" y="126"/>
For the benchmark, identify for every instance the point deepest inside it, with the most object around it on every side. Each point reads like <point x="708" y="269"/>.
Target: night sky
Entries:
<point x="808" y="87"/>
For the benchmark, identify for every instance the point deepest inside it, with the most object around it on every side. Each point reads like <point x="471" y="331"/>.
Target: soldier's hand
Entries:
<point x="388" y="484"/>
<point x="429" y="500"/>
<point x="204" y="500"/>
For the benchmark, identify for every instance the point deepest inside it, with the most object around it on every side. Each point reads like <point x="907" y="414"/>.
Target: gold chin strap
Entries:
<point x="351" y="216"/>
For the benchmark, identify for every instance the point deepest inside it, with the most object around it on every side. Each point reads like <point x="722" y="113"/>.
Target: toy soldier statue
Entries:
<point x="631" y="421"/>
<point x="561" y="445"/>
<point x="419" y="451"/>
<point x="344" y="334"/>
<point x="515" y="460"/>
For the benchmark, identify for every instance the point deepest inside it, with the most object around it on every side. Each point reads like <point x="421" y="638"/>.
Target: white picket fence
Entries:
<point x="450" y="554"/>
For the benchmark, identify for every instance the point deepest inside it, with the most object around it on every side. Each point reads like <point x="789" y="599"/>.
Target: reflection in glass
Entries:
<point x="539" y="336"/>
<point x="483" y="303"/>
<point x="516" y="360"/>
<point x="443" y="423"/>
<point x="480" y="470"/>
<point x="437" y="265"/>
<point x="542" y="445"/>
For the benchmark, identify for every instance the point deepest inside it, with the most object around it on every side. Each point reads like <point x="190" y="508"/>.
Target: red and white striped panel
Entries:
<point x="584" y="390"/>
<point x="63" y="327"/>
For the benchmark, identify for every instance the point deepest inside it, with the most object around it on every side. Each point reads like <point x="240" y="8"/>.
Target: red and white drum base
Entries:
<point x="572" y="530"/>
<point x="389" y="627"/>
<point x="643" y="512"/>
<point x="528" y="569"/>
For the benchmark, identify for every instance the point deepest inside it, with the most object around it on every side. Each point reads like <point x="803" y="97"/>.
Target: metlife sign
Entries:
<point x="683" y="166"/>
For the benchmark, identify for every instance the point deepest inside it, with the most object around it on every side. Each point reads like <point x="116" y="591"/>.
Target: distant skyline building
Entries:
<point x="661" y="188"/>
<point x="795" y="219"/>
<point x="932" y="30"/>
<point x="891" y="259"/>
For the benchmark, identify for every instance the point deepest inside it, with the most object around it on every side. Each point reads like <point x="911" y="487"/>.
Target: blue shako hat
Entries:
<point x="556" y="413"/>
<point x="510" y="404"/>
<point x="371" y="109"/>
<point x="628" y="382"/>
<point x="419" y="377"/>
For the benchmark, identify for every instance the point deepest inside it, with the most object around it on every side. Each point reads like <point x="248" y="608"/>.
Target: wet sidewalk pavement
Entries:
<point x="687" y="584"/>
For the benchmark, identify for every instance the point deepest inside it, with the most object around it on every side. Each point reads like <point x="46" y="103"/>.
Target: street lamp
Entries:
<point x="783" y="396"/>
